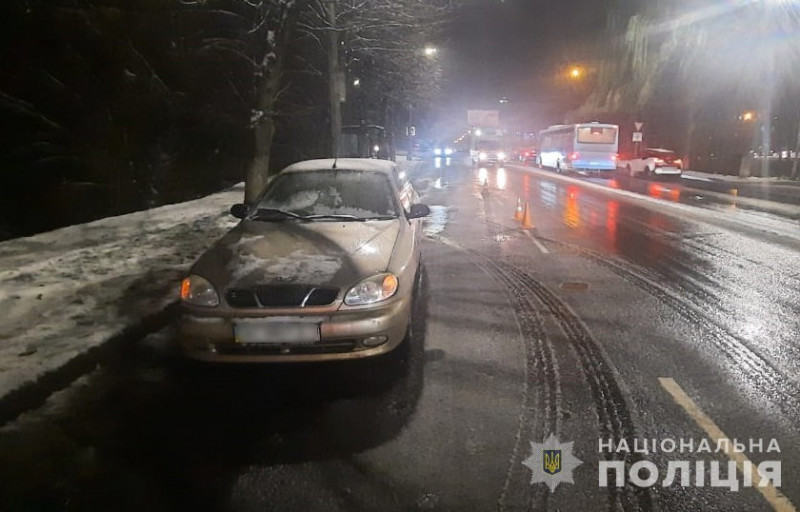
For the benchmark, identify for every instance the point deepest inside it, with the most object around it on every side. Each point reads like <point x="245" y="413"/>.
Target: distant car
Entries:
<point x="489" y="152"/>
<point x="526" y="155"/>
<point x="442" y="150"/>
<point x="322" y="266"/>
<point x="653" y="162"/>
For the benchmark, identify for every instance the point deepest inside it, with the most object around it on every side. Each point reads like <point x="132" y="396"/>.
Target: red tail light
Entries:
<point x="574" y="156"/>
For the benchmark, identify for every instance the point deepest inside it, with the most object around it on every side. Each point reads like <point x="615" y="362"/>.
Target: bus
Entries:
<point x="365" y="141"/>
<point x="581" y="147"/>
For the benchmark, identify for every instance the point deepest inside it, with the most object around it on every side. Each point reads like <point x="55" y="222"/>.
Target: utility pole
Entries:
<point x="766" y="112"/>
<point x="334" y="79"/>
<point x="796" y="152"/>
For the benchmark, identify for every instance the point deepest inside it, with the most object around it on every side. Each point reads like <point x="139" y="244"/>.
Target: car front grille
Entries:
<point x="258" y="349"/>
<point x="281" y="296"/>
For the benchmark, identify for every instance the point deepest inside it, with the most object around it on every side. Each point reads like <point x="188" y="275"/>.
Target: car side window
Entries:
<point x="404" y="188"/>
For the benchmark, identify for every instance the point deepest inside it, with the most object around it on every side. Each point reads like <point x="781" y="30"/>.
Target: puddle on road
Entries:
<point x="435" y="223"/>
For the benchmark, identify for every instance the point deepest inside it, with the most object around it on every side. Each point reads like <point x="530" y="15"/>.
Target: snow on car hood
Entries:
<point x="317" y="253"/>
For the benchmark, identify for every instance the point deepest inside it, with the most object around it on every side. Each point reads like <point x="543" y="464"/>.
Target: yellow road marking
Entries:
<point x="775" y="497"/>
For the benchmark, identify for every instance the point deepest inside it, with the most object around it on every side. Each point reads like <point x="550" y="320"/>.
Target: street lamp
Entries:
<point x="575" y="72"/>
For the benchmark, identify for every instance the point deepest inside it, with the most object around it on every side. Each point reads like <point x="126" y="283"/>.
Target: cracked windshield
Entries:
<point x="400" y="255"/>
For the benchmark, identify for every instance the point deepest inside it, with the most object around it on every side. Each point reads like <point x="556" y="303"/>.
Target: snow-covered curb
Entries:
<point x="68" y="292"/>
<point x="707" y="176"/>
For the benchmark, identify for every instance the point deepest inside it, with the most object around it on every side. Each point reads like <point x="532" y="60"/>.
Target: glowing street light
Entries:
<point x="747" y="116"/>
<point x="575" y="72"/>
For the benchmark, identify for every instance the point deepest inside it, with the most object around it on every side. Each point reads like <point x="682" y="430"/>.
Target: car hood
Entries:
<point x="336" y="254"/>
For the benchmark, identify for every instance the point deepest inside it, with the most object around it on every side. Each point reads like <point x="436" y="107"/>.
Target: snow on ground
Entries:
<point x="68" y="290"/>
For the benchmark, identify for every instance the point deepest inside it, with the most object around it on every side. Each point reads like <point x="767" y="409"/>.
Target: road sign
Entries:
<point x="638" y="125"/>
<point x="637" y="136"/>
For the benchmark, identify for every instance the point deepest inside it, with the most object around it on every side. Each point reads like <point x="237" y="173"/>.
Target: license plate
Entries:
<point x="279" y="332"/>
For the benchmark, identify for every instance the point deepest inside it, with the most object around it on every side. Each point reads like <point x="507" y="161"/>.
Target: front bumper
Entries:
<point x="342" y="332"/>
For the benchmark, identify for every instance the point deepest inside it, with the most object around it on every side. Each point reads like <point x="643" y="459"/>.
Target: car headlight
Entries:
<point x="371" y="290"/>
<point x="437" y="151"/>
<point x="448" y="151"/>
<point x="198" y="291"/>
<point x="501" y="155"/>
<point x="482" y="155"/>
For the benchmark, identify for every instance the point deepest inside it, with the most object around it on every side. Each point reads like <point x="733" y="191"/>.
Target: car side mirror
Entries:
<point x="418" y="211"/>
<point x="240" y="210"/>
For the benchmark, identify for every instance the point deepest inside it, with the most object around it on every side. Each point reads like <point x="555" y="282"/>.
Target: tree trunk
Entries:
<point x="267" y="91"/>
<point x="796" y="153"/>
<point x="258" y="170"/>
<point x="333" y="80"/>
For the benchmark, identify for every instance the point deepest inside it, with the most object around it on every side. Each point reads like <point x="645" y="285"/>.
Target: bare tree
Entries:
<point x="380" y="48"/>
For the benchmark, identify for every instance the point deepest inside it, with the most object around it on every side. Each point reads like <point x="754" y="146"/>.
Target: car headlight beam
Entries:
<point x="371" y="290"/>
<point x="198" y="291"/>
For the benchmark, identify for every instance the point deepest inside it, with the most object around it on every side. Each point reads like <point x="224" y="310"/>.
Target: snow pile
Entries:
<point x="72" y="289"/>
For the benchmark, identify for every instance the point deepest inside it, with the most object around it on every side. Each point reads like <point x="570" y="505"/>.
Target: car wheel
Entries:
<point x="646" y="172"/>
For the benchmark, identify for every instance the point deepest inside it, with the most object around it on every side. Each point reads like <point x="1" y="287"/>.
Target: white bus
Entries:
<point x="579" y="147"/>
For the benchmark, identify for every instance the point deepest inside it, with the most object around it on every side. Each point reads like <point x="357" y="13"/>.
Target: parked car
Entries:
<point x="653" y="162"/>
<point x="526" y="156"/>
<point x="322" y="266"/>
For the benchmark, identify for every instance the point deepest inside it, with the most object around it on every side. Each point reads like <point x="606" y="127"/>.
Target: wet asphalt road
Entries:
<point x="563" y="330"/>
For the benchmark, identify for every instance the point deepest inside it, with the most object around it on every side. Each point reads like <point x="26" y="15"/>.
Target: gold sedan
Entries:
<point x="322" y="266"/>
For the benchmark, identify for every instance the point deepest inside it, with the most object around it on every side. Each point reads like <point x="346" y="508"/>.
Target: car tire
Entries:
<point x="647" y="172"/>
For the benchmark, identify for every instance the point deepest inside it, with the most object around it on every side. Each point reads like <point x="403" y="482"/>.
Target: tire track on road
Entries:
<point x="780" y="389"/>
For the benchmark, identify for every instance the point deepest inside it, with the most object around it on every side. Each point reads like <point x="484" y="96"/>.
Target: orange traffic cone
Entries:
<point x="526" y="217"/>
<point x="518" y="212"/>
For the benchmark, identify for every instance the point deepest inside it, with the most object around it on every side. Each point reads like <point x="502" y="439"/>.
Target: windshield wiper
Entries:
<point x="270" y="214"/>
<point x="341" y="216"/>
<point x="344" y="216"/>
<point x="274" y="214"/>
<point x="378" y="217"/>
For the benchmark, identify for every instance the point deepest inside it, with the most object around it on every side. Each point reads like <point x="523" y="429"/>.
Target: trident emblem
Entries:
<point x="551" y="460"/>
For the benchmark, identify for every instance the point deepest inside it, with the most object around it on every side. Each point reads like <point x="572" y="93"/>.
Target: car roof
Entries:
<point x="349" y="164"/>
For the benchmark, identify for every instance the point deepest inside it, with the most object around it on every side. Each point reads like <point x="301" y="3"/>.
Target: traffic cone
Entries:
<point x="526" y="217"/>
<point x="518" y="211"/>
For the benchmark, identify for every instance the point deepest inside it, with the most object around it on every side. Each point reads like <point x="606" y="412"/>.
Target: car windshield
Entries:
<point x="331" y="193"/>
<point x="662" y="153"/>
<point x="597" y="135"/>
<point x="491" y="145"/>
